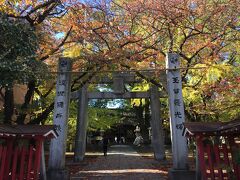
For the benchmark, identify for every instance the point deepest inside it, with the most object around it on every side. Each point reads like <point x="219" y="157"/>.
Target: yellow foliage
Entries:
<point x="208" y="74"/>
<point x="140" y="87"/>
<point x="215" y="72"/>
<point x="73" y="51"/>
<point x="191" y="95"/>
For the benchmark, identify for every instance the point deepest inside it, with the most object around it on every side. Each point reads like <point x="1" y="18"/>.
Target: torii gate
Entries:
<point x="56" y="169"/>
<point x="119" y="79"/>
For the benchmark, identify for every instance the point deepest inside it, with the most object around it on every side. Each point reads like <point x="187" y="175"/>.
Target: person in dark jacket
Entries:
<point x="105" y="145"/>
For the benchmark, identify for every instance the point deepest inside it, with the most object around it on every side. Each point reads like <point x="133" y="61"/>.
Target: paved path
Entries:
<point x="122" y="162"/>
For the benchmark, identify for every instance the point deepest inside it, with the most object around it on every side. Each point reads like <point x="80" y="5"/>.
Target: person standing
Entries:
<point x="105" y="145"/>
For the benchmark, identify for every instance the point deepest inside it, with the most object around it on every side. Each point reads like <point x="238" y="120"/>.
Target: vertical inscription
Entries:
<point x="60" y="117"/>
<point x="176" y="108"/>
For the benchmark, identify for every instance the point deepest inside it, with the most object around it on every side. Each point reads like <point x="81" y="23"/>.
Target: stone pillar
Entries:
<point x="81" y="131"/>
<point x="156" y="125"/>
<point x="118" y="83"/>
<point x="176" y="107"/>
<point x="56" y="168"/>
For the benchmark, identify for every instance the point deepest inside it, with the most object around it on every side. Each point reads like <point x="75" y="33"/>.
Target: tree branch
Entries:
<point x="1" y="94"/>
<point x="43" y="5"/>
<point x="145" y="77"/>
<point x="58" y="47"/>
<point x="51" y="4"/>
<point x="109" y="48"/>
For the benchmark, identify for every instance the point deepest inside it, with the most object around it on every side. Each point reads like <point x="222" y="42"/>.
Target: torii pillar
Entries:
<point x="81" y="130"/>
<point x="156" y="125"/>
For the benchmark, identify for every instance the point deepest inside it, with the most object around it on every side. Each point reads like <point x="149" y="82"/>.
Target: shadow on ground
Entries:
<point x="122" y="162"/>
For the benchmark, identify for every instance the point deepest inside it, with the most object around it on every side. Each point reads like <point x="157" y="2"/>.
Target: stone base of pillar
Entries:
<point x="54" y="174"/>
<point x="78" y="159"/>
<point x="181" y="174"/>
<point x="160" y="157"/>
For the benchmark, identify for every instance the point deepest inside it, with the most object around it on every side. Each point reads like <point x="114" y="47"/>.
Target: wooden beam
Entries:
<point x="130" y="78"/>
<point x="111" y="95"/>
<point x="109" y="80"/>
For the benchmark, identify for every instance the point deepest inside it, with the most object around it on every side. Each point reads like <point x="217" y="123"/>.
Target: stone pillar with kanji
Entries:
<point x="176" y="107"/>
<point x="56" y="167"/>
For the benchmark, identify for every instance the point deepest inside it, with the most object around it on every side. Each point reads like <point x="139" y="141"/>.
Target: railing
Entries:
<point x="218" y="161"/>
<point x="20" y="163"/>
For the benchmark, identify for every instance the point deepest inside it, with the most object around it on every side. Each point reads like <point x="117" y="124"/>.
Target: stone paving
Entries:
<point x="122" y="162"/>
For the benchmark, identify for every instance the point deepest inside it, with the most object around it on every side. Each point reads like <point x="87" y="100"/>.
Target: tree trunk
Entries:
<point x="28" y="97"/>
<point x="43" y="116"/>
<point x="139" y="113"/>
<point x="147" y="113"/>
<point x="147" y="117"/>
<point x="139" y="110"/>
<point x="8" y="105"/>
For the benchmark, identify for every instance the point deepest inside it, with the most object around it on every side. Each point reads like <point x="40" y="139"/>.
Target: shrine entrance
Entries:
<point x="57" y="169"/>
<point x="119" y="79"/>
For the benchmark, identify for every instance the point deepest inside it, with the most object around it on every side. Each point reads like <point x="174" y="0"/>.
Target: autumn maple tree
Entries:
<point x="137" y="35"/>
